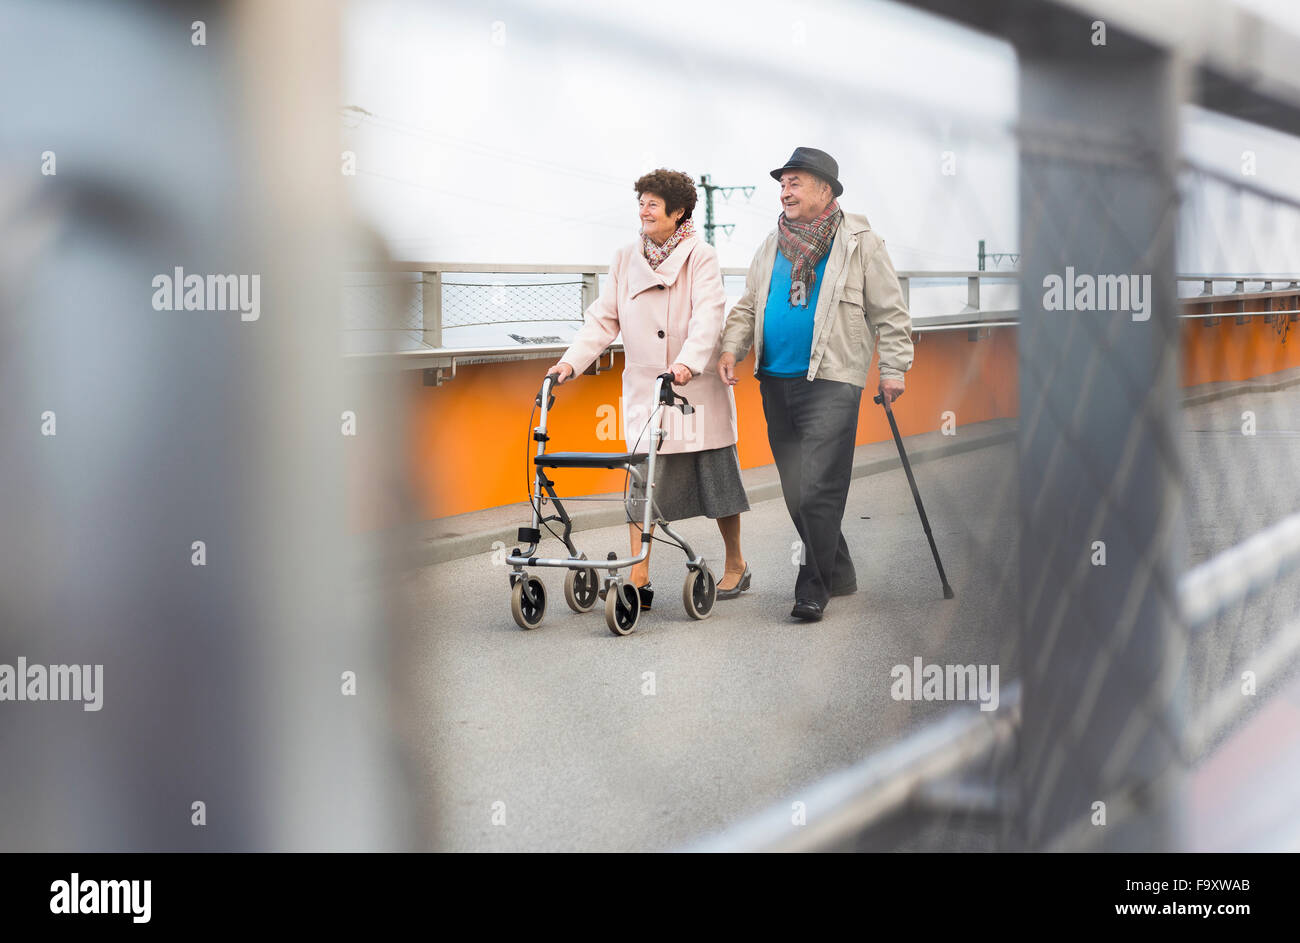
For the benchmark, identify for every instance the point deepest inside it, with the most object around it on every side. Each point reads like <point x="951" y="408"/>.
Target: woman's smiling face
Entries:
<point x="655" y="221"/>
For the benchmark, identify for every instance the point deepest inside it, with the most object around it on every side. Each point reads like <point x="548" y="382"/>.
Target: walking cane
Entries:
<point x="925" y="521"/>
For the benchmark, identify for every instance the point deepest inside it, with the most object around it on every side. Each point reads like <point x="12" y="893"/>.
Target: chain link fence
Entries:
<point x="1145" y="530"/>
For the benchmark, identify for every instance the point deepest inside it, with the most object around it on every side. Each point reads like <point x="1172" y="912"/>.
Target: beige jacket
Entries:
<point x="859" y="299"/>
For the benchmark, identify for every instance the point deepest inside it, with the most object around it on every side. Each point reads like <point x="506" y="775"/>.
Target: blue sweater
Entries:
<point x="788" y="329"/>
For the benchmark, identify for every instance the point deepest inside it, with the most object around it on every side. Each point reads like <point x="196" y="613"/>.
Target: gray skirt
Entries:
<point x="693" y="484"/>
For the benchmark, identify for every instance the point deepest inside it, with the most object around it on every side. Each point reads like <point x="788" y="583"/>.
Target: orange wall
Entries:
<point x="472" y="450"/>
<point x="470" y="437"/>
<point x="1231" y="351"/>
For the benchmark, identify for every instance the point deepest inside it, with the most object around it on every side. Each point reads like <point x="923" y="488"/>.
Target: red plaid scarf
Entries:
<point x="656" y="254"/>
<point x="804" y="244"/>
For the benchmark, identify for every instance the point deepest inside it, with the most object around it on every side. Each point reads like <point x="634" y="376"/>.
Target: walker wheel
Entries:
<point x="528" y="602"/>
<point x="581" y="589"/>
<point x="699" y="592"/>
<point x="622" y="607"/>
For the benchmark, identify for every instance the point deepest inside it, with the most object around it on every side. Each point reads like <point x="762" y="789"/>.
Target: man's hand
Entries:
<point x="682" y="374"/>
<point x="727" y="368"/>
<point x="891" y="389"/>
<point x="562" y="371"/>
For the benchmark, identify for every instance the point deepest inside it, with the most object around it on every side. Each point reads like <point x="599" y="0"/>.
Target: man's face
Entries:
<point x="804" y="196"/>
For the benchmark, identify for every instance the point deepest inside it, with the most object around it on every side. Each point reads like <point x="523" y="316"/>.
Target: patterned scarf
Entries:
<point x="656" y="254"/>
<point x="804" y="244"/>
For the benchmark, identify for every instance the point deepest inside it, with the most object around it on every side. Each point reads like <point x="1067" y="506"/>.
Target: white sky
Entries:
<point x="512" y="132"/>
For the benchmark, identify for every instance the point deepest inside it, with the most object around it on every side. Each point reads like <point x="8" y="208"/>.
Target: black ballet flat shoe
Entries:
<point x="644" y="594"/>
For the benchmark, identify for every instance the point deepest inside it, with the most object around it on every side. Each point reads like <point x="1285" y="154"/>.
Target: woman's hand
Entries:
<point x="681" y="373"/>
<point x="561" y="370"/>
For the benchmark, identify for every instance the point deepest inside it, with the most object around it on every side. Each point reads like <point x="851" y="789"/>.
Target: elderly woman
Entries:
<point x="664" y="293"/>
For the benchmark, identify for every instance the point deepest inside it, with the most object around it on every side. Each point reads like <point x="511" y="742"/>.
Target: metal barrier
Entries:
<point x="433" y="303"/>
<point x="911" y="777"/>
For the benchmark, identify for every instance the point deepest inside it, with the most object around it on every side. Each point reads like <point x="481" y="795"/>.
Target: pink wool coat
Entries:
<point x="673" y="314"/>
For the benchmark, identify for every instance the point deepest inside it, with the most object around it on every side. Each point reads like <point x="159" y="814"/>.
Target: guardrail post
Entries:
<point x="973" y="292"/>
<point x="590" y="290"/>
<point x="431" y="291"/>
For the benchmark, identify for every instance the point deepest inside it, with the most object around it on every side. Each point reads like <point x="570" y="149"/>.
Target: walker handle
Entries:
<point x="550" y="402"/>
<point x="669" y="397"/>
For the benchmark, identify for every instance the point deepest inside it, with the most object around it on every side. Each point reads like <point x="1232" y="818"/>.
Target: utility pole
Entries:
<point x="708" y="187"/>
<point x="997" y="257"/>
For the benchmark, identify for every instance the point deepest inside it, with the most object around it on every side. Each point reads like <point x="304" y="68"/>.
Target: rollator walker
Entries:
<point x="582" y="582"/>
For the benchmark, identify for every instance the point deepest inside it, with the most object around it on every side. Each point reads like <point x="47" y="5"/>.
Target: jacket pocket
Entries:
<point x="853" y="313"/>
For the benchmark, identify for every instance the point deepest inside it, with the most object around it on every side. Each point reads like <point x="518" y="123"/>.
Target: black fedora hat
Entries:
<point x="819" y="162"/>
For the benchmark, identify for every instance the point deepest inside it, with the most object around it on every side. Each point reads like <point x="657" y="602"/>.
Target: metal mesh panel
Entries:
<point x="381" y="312"/>
<point x="502" y="302"/>
<point x="1123" y="697"/>
<point x="1126" y="696"/>
<point x="1242" y="451"/>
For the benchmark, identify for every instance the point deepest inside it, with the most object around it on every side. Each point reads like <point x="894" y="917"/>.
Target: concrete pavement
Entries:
<point x="569" y="738"/>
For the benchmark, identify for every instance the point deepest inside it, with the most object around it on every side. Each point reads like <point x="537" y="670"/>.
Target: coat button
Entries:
<point x="661" y="333"/>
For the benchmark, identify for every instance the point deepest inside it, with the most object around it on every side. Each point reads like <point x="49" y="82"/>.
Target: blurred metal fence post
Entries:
<point x="333" y="776"/>
<point x="1100" y="475"/>
<point x="176" y="510"/>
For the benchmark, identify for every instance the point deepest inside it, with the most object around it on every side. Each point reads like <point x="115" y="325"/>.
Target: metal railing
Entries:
<point x="427" y="324"/>
<point x="848" y="804"/>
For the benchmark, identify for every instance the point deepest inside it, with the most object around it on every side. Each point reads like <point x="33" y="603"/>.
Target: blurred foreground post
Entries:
<point x="173" y="502"/>
<point x="1100" y="474"/>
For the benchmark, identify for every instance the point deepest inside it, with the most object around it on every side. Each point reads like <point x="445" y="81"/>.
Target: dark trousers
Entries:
<point x="811" y="427"/>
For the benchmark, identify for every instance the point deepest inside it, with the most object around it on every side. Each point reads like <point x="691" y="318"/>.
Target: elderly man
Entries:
<point x="817" y="289"/>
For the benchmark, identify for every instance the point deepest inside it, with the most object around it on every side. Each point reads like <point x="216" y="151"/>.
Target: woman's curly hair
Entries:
<point x="675" y="188"/>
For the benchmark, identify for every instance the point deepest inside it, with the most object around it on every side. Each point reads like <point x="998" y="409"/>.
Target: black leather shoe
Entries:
<point x="845" y="592"/>
<point x="807" y="611"/>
